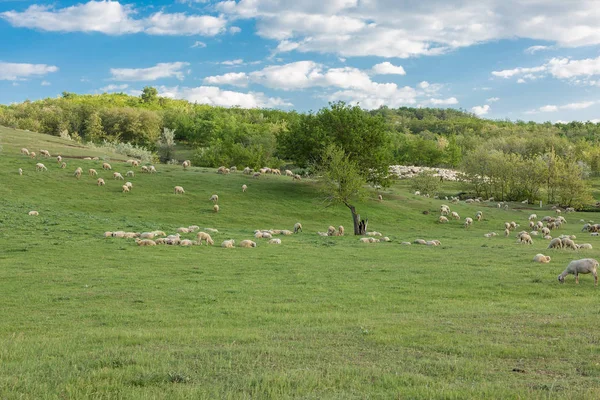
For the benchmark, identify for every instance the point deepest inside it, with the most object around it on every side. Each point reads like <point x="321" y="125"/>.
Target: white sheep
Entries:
<point x="187" y="242"/>
<point x="147" y="235"/>
<point x="420" y="241"/>
<point x="296" y="177"/>
<point x="216" y="208"/>
<point x="540" y="258"/>
<point x="186" y="164"/>
<point x="214" y="198"/>
<point x="525" y="238"/>
<point x="442" y="219"/>
<point x="100" y="182"/>
<point x="20" y="171"/>
<point x="479" y="215"/>
<point x="183" y="230"/>
<point x="275" y="241"/>
<point x="130" y="173"/>
<point x="380" y="197"/>
<point x="129" y="185"/>
<point x="228" y="244"/>
<point x="297" y="227"/>
<point x="374" y="233"/>
<point x="179" y="190"/>
<point x="555" y="244"/>
<point x="506" y="232"/>
<point x="24" y="151"/>
<point x="118" y="175"/>
<point x="211" y="230"/>
<point x="145" y="169"/>
<point x="34" y="213"/>
<point x="455" y="215"/>
<point x="247" y="243"/>
<point x="63" y="165"/>
<point x="206" y="237"/>
<point x="331" y="231"/>
<point x="152" y="169"/>
<point x="247" y="171"/>
<point x="58" y="159"/>
<point x="568" y="244"/>
<point x="106" y="166"/>
<point x="406" y="243"/>
<point x="193" y="228"/>
<point x="244" y="188"/>
<point x="145" y="242"/>
<point x="40" y="167"/>
<point x="532" y="217"/>
<point x="125" y="188"/>
<point x="468" y="222"/>
<point x="45" y="153"/>
<point x="285" y="232"/>
<point x="32" y="154"/>
<point x="583" y="266"/>
<point x="92" y="172"/>
<point x="584" y="246"/>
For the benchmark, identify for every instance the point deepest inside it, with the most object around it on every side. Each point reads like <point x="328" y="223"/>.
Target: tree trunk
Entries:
<point x="360" y="227"/>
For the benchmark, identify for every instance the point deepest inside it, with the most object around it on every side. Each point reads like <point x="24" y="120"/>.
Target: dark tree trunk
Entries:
<point x="360" y="227"/>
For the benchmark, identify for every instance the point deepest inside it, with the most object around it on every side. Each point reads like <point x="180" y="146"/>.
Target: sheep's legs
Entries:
<point x="576" y="278"/>
<point x="595" y="278"/>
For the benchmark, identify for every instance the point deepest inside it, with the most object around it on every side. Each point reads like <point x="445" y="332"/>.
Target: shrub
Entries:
<point x="426" y="183"/>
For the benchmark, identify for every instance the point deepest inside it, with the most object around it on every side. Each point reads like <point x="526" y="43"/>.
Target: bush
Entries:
<point x="127" y="149"/>
<point x="426" y="183"/>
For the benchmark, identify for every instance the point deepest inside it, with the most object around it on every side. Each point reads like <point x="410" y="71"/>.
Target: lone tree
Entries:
<point x="166" y="144"/>
<point x="342" y="182"/>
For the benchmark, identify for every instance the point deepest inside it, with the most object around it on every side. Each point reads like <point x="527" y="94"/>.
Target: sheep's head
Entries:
<point x="548" y="259"/>
<point x="561" y="279"/>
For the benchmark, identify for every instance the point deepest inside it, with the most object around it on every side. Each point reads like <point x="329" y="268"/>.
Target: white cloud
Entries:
<point x="215" y="96"/>
<point x="571" y="106"/>
<point x="424" y="85"/>
<point x="388" y="28"/>
<point x="235" y="29"/>
<point x="232" y="78"/>
<point x="233" y="62"/>
<point x="114" y="88"/>
<point x="113" y="18"/>
<point x="535" y="49"/>
<point x="509" y="73"/>
<point x="560" y="68"/>
<point x="480" y="110"/>
<point x="45" y="83"/>
<point x="492" y="99"/>
<point x="19" y="71"/>
<point x="199" y="44"/>
<point x="159" y="71"/>
<point x="387" y="68"/>
<point x="549" y="108"/>
<point x="442" y="102"/>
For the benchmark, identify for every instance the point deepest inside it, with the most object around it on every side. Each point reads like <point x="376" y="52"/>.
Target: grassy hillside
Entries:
<point x="88" y="317"/>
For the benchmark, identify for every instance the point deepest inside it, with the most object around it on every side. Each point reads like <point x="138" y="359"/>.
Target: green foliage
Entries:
<point x="166" y="145"/>
<point x="149" y="95"/>
<point x="426" y="183"/>
<point x="127" y="149"/>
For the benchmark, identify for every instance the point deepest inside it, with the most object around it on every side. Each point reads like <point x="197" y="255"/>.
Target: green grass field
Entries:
<point x="314" y="318"/>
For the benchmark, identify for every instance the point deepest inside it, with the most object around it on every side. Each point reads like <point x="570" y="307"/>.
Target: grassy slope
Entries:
<point x="88" y="317"/>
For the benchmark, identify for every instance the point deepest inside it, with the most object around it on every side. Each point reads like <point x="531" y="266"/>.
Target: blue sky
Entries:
<point x="527" y="59"/>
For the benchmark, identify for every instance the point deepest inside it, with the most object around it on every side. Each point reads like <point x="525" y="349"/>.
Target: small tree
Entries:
<point x="166" y="144"/>
<point x="426" y="183"/>
<point x="149" y="94"/>
<point x="342" y="182"/>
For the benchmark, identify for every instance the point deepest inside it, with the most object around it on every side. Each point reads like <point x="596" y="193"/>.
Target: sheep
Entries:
<point x="130" y="173"/>
<point x="117" y="175"/>
<point x="507" y="226"/>
<point x="513" y="225"/>
<point x="40" y="167"/>
<point x="147" y="235"/>
<point x="288" y="173"/>
<point x="108" y="234"/>
<point x="247" y="244"/>
<point x="490" y="235"/>
<point x="187" y="242"/>
<point x="369" y="240"/>
<point x="444" y="210"/>
<point x="100" y="182"/>
<point x="183" y="230"/>
<point x="545" y="231"/>
<point x="296" y="177"/>
<point x="442" y="219"/>
<point x="585" y="246"/>
<point x="216" y="208"/>
<point x="558" y="211"/>
<point x="24" y="151"/>
<point x="468" y="222"/>
<point x="455" y="215"/>
<point x="297" y="227"/>
<point x="179" y="190"/>
<point x="233" y="168"/>
<point x="34" y="213"/>
<point x="532" y="225"/>
<point x="341" y="230"/>
<point x="540" y="258"/>
<point x="32" y="154"/>
<point x="322" y="234"/>
<point x="151" y="169"/>
<point x="555" y="244"/>
<point x="58" y="159"/>
<point x="570" y="210"/>
<point x="77" y="173"/>
<point x="129" y="185"/>
<point x="525" y="238"/>
<point x="92" y="172"/>
<point x="548" y="237"/>
<point x="125" y="188"/>
<point x="63" y="165"/>
<point x="20" y="171"/>
<point x="211" y="230"/>
<point x="583" y="266"/>
<point x="256" y="175"/>
<point x="244" y="188"/>
<point x="186" y="164"/>
<point x="106" y="166"/>
<point x="417" y="193"/>
<point x="331" y="231"/>
<point x="172" y="241"/>
<point x="214" y="198"/>
<point x="539" y="225"/>
<point x="88" y="158"/>
<point x="228" y="244"/>
<point x="479" y="215"/>
<point x="568" y="243"/>
<point x="145" y="242"/>
<point x="433" y="243"/>
<point x="206" y="237"/>
<point x="45" y="153"/>
<point x="533" y="233"/>
<point x="275" y="241"/>
<point x="532" y="217"/>
<point x="145" y="169"/>
<point x="374" y="233"/>
<point x="285" y="232"/>
<point x="420" y="241"/>
<point x="386" y="239"/>
<point x="380" y="197"/>
<point x="247" y="171"/>
<point x="193" y="228"/>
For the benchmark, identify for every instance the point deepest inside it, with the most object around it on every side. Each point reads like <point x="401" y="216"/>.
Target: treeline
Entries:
<point x="257" y="137"/>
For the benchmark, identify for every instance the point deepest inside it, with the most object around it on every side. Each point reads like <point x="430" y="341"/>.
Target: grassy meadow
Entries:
<point x="85" y="316"/>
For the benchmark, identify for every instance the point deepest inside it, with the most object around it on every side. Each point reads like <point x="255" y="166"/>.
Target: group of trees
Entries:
<point x="344" y="144"/>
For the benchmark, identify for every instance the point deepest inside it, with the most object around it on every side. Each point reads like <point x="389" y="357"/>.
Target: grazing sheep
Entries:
<point x="420" y="241"/>
<point x="106" y="166"/>
<point x="145" y="169"/>
<point x="125" y="188"/>
<point x="32" y="154"/>
<point x="275" y="241"/>
<point x="206" y="237"/>
<point x="179" y="190"/>
<point x="40" y="167"/>
<point x="24" y="151"/>
<point x="183" y="230"/>
<point x="545" y="231"/>
<point x="228" y="244"/>
<point x="568" y="243"/>
<point x="506" y="232"/>
<point x="296" y="177"/>
<point x="214" y="198"/>
<point x="244" y="188"/>
<point x="129" y="185"/>
<point x="380" y="197"/>
<point x="211" y="230"/>
<point x="88" y="158"/>
<point x="193" y="228"/>
<point x="386" y="239"/>
<point x="100" y="182"/>
<point x="92" y="172"/>
<point x="532" y="217"/>
<point x="247" y="244"/>
<point x="152" y="169"/>
<point x="442" y="219"/>
<point x="585" y="246"/>
<point x="45" y="153"/>
<point x="77" y="173"/>
<point x="108" y="234"/>
<point x="479" y="215"/>
<point x="548" y="237"/>
<point x="233" y="168"/>
<point x="20" y="171"/>
<point x="147" y="235"/>
<point x="513" y="225"/>
<point x="406" y="243"/>
<point x="216" y="208"/>
<point x="322" y="234"/>
<point x="555" y="244"/>
<point x="117" y="175"/>
<point x="455" y="215"/>
<point x="58" y="159"/>
<point x="285" y="232"/>
<point x="145" y="242"/>
<point x="297" y="227"/>
<point x="63" y="165"/>
<point x="490" y="235"/>
<point x="468" y="222"/>
<point x="558" y="211"/>
<point x="570" y="210"/>
<point x="331" y="231"/>
<point x="187" y="242"/>
<point x="374" y="233"/>
<point x="539" y="225"/>
<point x="540" y="258"/>
<point x="433" y="243"/>
<point x="130" y="173"/>
<point x="247" y="171"/>
<point x="256" y="175"/>
<point x="34" y="213"/>
<point x="186" y="164"/>
<point x="583" y="266"/>
<point x="533" y="233"/>
<point x="341" y="230"/>
<point x="525" y="238"/>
